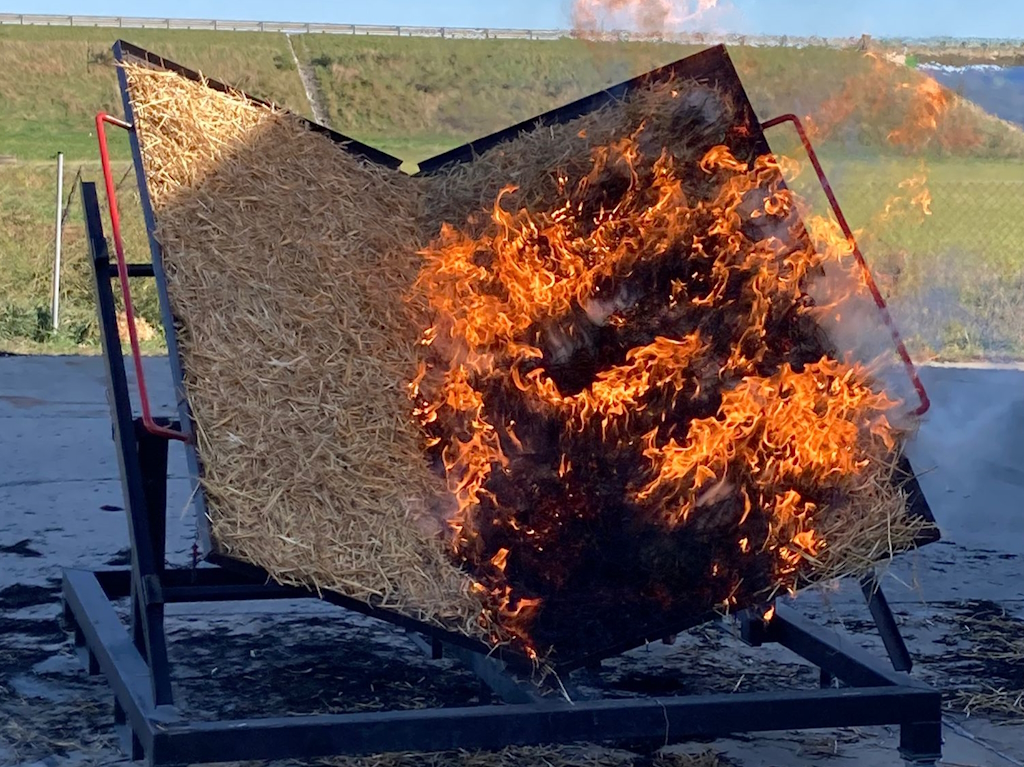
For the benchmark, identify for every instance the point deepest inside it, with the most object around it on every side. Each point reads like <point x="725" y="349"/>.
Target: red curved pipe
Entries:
<point x="901" y="348"/>
<point x="122" y="272"/>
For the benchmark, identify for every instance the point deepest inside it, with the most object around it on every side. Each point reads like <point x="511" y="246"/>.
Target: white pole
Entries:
<point x="55" y="303"/>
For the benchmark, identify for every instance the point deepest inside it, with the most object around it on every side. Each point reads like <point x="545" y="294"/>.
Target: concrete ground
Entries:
<point x="61" y="506"/>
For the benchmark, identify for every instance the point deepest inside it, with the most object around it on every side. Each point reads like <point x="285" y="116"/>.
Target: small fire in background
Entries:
<point x="913" y="200"/>
<point x="143" y="329"/>
<point x="590" y="17"/>
<point x="921" y="118"/>
<point x="883" y="88"/>
<point x="631" y="396"/>
<point x="924" y="108"/>
<point x="926" y="122"/>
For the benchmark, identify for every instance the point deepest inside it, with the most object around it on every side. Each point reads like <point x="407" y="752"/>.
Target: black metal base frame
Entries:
<point x="134" y="661"/>
<point x="874" y="695"/>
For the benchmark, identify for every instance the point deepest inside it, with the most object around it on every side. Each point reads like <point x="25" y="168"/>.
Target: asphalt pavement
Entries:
<point x="61" y="506"/>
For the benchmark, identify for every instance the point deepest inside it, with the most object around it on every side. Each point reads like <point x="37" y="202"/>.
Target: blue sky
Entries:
<point x="917" y="18"/>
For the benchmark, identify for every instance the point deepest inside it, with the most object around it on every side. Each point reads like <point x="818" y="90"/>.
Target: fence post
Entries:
<point x="55" y="301"/>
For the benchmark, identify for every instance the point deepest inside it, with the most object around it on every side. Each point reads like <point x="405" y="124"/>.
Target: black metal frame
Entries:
<point x="712" y="66"/>
<point x="134" y="661"/>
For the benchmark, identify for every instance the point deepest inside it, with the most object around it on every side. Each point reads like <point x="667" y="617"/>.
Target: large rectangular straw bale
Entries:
<point x="286" y="258"/>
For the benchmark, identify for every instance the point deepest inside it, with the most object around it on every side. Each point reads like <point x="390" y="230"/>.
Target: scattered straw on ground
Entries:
<point x="997" y="702"/>
<point x="530" y="756"/>
<point x="995" y="661"/>
<point x="285" y="256"/>
<point x="584" y="755"/>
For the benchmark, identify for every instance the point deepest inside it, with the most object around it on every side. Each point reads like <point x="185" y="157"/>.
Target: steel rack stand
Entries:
<point x="133" y="659"/>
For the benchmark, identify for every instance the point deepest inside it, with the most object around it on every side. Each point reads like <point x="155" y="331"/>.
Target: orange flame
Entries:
<point x="878" y="92"/>
<point x="500" y="559"/>
<point x="513" y="305"/>
<point x="921" y="116"/>
<point x="914" y="196"/>
<point x="928" y="102"/>
<point x="783" y="431"/>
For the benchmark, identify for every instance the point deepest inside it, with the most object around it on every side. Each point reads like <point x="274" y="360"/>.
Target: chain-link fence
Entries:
<point x="954" y="277"/>
<point x="27" y="240"/>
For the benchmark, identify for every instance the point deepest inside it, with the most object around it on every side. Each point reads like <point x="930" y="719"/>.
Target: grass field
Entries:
<point x="27" y="229"/>
<point x="956" y="277"/>
<point x="423" y="96"/>
<point x="53" y="80"/>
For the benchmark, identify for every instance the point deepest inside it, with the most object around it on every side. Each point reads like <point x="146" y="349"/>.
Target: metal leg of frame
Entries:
<point x="147" y="604"/>
<point x="130" y="744"/>
<point x="153" y="462"/>
<point x="491" y="672"/>
<point x="886" y="623"/>
<point x="138" y="753"/>
<point x="921" y="742"/>
<point x="126" y="736"/>
<point x="495" y="676"/>
<point x="825" y="679"/>
<point x="117" y="657"/>
<point x="755" y="632"/>
<point x="138" y="621"/>
<point x="83" y="651"/>
<point x="153" y="466"/>
<point x="837" y="655"/>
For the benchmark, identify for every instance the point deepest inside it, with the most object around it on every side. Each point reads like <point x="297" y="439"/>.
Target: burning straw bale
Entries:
<point x="625" y="408"/>
<point x="695" y="120"/>
<point x="628" y="386"/>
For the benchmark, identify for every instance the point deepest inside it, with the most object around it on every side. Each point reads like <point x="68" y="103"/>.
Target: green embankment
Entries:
<point x="420" y="96"/>
<point x="956" y="277"/>
<point x="53" y="80"/>
<point x="27" y="227"/>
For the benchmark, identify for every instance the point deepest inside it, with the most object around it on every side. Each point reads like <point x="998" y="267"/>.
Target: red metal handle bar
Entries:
<point x="122" y="273"/>
<point x="883" y="309"/>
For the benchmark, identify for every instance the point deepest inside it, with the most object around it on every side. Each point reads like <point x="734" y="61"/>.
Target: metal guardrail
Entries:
<point x="285" y="27"/>
<point x="487" y="33"/>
